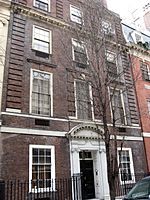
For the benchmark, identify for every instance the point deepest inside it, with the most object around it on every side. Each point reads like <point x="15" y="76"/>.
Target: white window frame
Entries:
<point x="50" y="38"/>
<point x="48" y="3"/>
<point x="75" y="96"/>
<point x="73" y="17"/>
<point x="112" y="55"/>
<point x="32" y="146"/>
<point x="134" y="33"/>
<point x="78" y="42"/>
<point x="110" y="29"/>
<point x="51" y="91"/>
<point x="148" y="106"/>
<point x="123" y="105"/>
<point x="147" y="71"/>
<point x="131" y="164"/>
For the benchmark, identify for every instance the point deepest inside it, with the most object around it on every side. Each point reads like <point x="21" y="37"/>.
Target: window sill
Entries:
<point x="41" y="62"/>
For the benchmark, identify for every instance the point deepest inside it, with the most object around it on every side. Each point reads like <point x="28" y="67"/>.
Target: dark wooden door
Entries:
<point x="87" y="179"/>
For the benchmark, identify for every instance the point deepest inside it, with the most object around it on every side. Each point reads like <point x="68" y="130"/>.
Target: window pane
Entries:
<point x="41" y="40"/>
<point x="42" y="4"/>
<point x="41" y="170"/>
<point x="76" y="15"/>
<point x="83" y="100"/>
<point x="41" y="94"/>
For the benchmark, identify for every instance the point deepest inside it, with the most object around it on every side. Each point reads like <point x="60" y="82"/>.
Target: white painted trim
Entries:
<point x="131" y="164"/>
<point x="51" y="90"/>
<point x="27" y="131"/>
<point x="50" y="37"/>
<point x="13" y="110"/>
<point x="72" y="119"/>
<point x="49" y="5"/>
<point x="91" y="100"/>
<point x="31" y="146"/>
<point x="146" y="134"/>
<point x="129" y="138"/>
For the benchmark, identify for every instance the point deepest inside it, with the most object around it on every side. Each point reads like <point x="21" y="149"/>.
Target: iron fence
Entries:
<point x="58" y="189"/>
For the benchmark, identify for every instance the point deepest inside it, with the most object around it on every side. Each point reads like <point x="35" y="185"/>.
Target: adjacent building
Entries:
<point x="139" y="49"/>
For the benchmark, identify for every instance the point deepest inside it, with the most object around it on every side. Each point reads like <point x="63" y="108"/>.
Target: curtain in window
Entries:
<point x="41" y="95"/>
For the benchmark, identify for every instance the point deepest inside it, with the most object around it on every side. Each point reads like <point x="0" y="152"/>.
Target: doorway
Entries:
<point x="87" y="175"/>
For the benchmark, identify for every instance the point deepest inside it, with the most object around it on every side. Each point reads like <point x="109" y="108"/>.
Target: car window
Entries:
<point x="140" y="190"/>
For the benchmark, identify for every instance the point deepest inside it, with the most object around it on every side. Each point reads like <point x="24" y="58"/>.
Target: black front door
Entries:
<point x="87" y="179"/>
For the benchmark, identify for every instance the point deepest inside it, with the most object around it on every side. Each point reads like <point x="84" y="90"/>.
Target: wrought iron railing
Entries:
<point x="58" y="189"/>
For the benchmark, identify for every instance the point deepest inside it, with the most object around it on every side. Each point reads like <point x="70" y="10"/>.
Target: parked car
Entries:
<point x="141" y="190"/>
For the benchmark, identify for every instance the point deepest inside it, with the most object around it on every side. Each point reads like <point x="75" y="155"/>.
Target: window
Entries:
<point x="83" y="101"/>
<point x="145" y="71"/>
<point x="125" y="162"/>
<point x="136" y="36"/>
<point x="117" y="107"/>
<point x="76" y="15"/>
<point x="148" y="105"/>
<point x="41" y="40"/>
<point x="42" y="4"/>
<point x="41" y="94"/>
<point x="107" y="28"/>
<point x="41" y="166"/>
<point x="79" y="52"/>
<point x="111" y="58"/>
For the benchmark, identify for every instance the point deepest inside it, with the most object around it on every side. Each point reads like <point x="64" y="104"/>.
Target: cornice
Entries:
<point x="28" y="11"/>
<point x="138" y="49"/>
<point x="39" y="15"/>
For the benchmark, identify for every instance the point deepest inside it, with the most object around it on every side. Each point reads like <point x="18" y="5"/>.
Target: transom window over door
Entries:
<point x="42" y="4"/>
<point x="83" y="101"/>
<point x="41" y="93"/>
<point x="41" y="40"/>
<point x="42" y="166"/>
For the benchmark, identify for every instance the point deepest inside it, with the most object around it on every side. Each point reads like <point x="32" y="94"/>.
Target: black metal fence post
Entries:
<point x="2" y="190"/>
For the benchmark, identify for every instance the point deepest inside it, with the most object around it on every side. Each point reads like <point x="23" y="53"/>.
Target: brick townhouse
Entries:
<point x="139" y="44"/>
<point x="45" y="133"/>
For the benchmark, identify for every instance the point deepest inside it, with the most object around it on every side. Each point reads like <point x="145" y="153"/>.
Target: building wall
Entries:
<point x="19" y="127"/>
<point x="143" y="95"/>
<point x="4" y="21"/>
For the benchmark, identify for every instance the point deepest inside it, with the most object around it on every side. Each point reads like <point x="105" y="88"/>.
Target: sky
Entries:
<point x="125" y="8"/>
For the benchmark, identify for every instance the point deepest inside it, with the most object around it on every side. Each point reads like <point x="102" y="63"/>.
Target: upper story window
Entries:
<point x="42" y="40"/>
<point x="148" y="105"/>
<point x="125" y="162"/>
<point x="79" y="52"/>
<point x="42" y="167"/>
<point x="117" y="106"/>
<point x="107" y="28"/>
<point x="76" y="15"/>
<point x="83" y="100"/>
<point x="41" y="93"/>
<point x="42" y="4"/>
<point x="111" y="58"/>
<point x="145" y="71"/>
